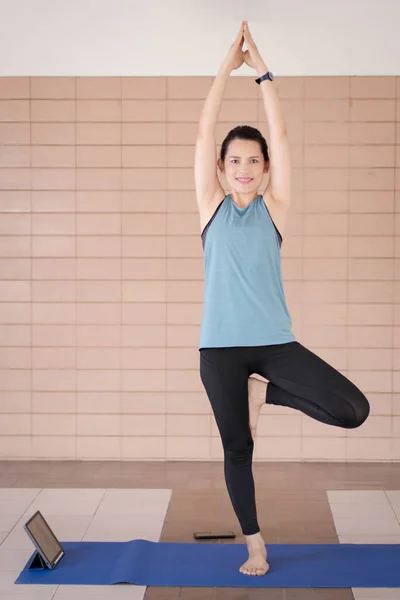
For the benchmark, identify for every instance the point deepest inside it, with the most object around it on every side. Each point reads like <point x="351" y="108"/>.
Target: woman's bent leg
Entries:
<point x="300" y="379"/>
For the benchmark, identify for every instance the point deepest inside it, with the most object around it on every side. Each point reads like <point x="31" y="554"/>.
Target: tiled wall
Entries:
<point x="101" y="264"/>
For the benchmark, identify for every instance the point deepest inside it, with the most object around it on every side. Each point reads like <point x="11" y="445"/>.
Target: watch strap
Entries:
<point x="266" y="76"/>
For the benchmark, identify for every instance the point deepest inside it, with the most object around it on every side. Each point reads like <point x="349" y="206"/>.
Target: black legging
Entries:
<point x="297" y="378"/>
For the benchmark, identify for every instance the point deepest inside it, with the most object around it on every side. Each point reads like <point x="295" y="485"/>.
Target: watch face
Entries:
<point x="271" y="76"/>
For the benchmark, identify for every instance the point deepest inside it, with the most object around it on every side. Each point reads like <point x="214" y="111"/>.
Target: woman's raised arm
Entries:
<point x="212" y="106"/>
<point x="205" y="164"/>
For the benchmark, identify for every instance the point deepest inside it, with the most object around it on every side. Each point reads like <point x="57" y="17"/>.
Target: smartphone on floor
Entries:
<point x="215" y="535"/>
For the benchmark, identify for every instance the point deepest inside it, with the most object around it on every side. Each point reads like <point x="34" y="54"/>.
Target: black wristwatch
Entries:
<point x="268" y="75"/>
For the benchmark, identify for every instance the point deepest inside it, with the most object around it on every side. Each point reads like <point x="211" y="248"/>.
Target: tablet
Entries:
<point x="49" y="548"/>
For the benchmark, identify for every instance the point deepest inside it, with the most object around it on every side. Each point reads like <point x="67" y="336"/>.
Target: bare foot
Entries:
<point x="257" y="562"/>
<point x="257" y="391"/>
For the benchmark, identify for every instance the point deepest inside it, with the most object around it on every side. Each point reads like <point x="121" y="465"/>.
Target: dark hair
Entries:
<point x="244" y="132"/>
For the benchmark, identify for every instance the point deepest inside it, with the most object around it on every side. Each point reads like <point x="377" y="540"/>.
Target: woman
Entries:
<point x="246" y="326"/>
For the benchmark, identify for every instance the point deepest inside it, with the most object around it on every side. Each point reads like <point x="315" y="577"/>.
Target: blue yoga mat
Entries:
<point x="217" y="565"/>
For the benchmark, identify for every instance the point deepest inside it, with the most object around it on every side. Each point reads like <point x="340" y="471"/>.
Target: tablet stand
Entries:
<point x="38" y="563"/>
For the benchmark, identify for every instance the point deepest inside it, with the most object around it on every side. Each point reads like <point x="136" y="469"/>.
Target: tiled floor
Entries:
<point x="297" y="503"/>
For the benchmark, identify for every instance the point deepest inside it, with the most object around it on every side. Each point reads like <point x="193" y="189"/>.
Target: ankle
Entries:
<point x="255" y="539"/>
<point x="256" y="546"/>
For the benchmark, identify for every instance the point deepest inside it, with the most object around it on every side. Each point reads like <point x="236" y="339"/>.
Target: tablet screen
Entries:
<point x="44" y="537"/>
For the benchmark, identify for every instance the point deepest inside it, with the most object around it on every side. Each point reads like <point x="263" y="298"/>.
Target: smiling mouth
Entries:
<point x="244" y="179"/>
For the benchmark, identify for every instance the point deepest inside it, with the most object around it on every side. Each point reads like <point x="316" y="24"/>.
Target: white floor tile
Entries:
<point x="34" y="594"/>
<point x="12" y="494"/>
<point x="134" y="501"/>
<point x="376" y="593"/>
<point x="365" y="526"/>
<point x="100" y="592"/>
<point x="7" y="522"/>
<point x="17" y="540"/>
<point x="362" y="510"/>
<point x="67" y="501"/>
<point x="394" y="499"/>
<point x="11" y="560"/>
<point x="127" y="521"/>
<point x="369" y="539"/>
<point x="357" y="496"/>
<point x="7" y="586"/>
<point x="15" y="507"/>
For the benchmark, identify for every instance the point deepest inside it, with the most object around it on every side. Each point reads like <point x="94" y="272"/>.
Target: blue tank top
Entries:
<point x="244" y="301"/>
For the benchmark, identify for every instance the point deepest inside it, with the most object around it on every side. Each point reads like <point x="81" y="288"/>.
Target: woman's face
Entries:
<point x="244" y="166"/>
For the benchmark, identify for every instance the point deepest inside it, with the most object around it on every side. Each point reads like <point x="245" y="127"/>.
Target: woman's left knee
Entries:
<point x="361" y="409"/>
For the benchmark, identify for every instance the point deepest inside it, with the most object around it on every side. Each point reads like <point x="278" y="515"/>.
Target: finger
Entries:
<point x="240" y="34"/>
<point x="238" y="43"/>
<point x="247" y="31"/>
